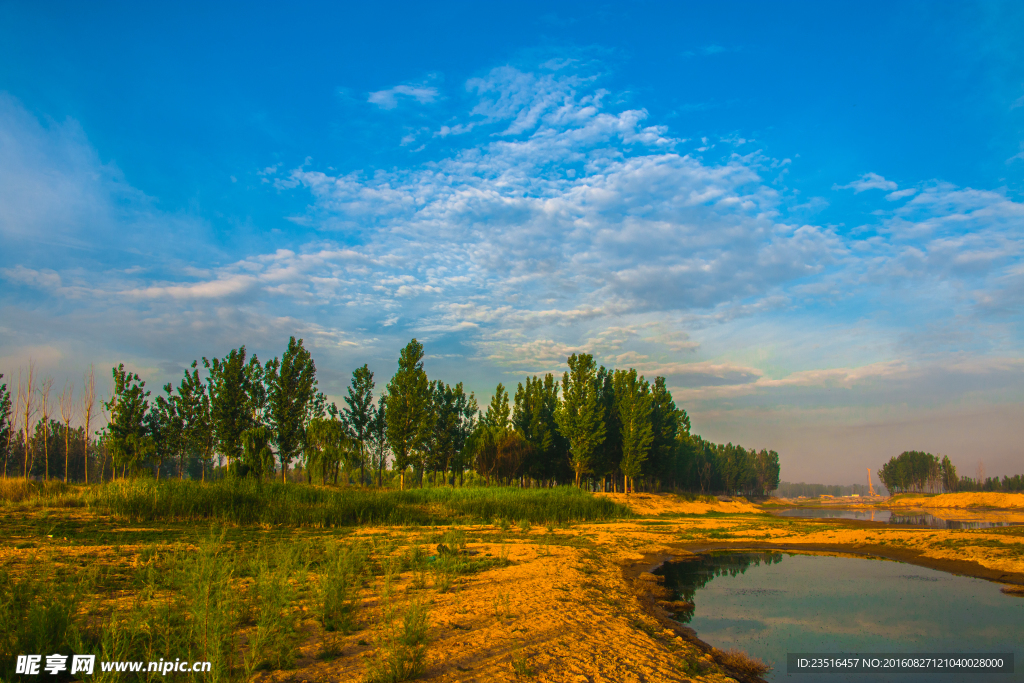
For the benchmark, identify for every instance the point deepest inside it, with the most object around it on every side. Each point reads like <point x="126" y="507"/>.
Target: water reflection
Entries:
<point x="910" y="517"/>
<point x="771" y="603"/>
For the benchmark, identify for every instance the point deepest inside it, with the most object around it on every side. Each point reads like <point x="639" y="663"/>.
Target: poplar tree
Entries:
<point x="452" y="421"/>
<point x="633" y="406"/>
<point x="497" y="417"/>
<point x="229" y="401"/>
<point x="168" y="427"/>
<point x="408" y="407"/>
<point x="579" y="415"/>
<point x="378" y="438"/>
<point x="198" y="434"/>
<point x="128" y="408"/>
<point x="292" y="399"/>
<point x="534" y="417"/>
<point x="359" y="412"/>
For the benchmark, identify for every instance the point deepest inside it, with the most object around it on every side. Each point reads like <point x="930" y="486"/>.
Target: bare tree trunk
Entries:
<point x="28" y="410"/>
<point x="65" y="400"/>
<point x="44" y="392"/>
<point x="88" y="399"/>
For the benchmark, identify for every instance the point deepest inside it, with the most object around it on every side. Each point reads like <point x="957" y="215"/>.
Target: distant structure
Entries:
<point x="871" y="489"/>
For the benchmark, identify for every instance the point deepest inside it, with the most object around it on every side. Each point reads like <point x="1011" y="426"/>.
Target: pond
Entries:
<point x="954" y="520"/>
<point x="769" y="604"/>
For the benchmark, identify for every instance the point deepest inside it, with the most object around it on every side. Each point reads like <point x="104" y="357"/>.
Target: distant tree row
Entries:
<point x="920" y="472"/>
<point x="1014" y="484"/>
<point x="595" y="427"/>
<point x="794" y="490"/>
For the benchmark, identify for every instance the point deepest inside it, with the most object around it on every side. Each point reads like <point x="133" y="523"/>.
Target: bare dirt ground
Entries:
<point x="1005" y="501"/>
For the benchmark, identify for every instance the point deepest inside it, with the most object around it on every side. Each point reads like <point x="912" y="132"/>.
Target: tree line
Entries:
<point x="599" y="428"/>
<point x="921" y="472"/>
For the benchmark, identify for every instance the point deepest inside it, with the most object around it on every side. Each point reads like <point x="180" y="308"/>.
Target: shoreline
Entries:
<point x="647" y="595"/>
<point x="648" y="600"/>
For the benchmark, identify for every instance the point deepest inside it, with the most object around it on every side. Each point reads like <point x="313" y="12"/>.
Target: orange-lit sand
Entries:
<point x="961" y="500"/>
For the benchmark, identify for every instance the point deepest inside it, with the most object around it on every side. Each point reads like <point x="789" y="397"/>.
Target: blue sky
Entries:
<point x="809" y="217"/>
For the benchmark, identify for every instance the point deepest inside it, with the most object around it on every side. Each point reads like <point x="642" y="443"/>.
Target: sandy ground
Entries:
<point x="566" y="610"/>
<point x="648" y="504"/>
<point x="961" y="500"/>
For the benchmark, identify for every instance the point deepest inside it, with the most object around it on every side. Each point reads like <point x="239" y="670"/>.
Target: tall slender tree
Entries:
<point x="633" y="407"/>
<point x="292" y="400"/>
<point x="198" y="433"/>
<point x="534" y="417"/>
<point x="128" y="407"/>
<point x="230" y="407"/>
<point x="378" y="438"/>
<point x="408" y="408"/>
<point x="579" y="415"/>
<point x="359" y="413"/>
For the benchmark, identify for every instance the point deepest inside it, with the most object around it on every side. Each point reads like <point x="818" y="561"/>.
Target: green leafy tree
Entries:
<point x="230" y="407"/>
<point x="130" y="441"/>
<point x="378" y="438"/>
<point x="359" y="413"/>
<point x="257" y="455"/>
<point x="498" y="416"/>
<point x="670" y="426"/>
<point x="533" y="416"/>
<point x="452" y="422"/>
<point x="293" y="400"/>
<point x="168" y="428"/>
<point x="408" y="408"/>
<point x="948" y="473"/>
<point x="633" y="403"/>
<point x="326" y="446"/>
<point x="197" y="429"/>
<point x="579" y="416"/>
<point x="768" y="470"/>
<point x="608" y="456"/>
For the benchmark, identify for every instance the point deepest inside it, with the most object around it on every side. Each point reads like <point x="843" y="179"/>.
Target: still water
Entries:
<point x="770" y="604"/>
<point x="912" y="517"/>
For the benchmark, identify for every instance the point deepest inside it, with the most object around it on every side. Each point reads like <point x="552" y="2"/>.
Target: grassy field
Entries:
<point x="253" y="502"/>
<point x="229" y="572"/>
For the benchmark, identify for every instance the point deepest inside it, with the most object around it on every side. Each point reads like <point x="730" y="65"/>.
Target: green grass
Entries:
<point x="243" y="502"/>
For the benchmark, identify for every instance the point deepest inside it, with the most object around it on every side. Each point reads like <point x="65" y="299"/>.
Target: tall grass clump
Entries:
<point x="341" y="573"/>
<point x="36" y="617"/>
<point x="52" y="493"/>
<point x="401" y="653"/>
<point x="248" y="501"/>
<point x="205" y="580"/>
<point x="274" y="641"/>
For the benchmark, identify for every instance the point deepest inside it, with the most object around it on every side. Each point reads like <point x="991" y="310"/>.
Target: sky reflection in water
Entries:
<point x="768" y="604"/>
<point x="908" y="517"/>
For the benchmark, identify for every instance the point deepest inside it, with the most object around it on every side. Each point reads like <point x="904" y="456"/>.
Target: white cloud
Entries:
<point x="388" y="99"/>
<point x="868" y="181"/>
<point x="900" y="194"/>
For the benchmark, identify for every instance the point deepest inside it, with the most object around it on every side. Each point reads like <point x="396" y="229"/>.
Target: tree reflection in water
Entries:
<point x="686" y="576"/>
